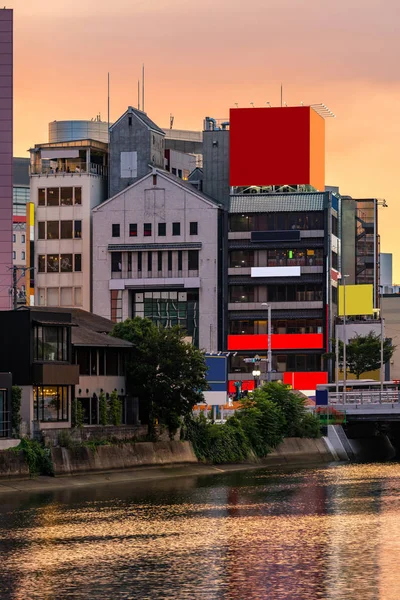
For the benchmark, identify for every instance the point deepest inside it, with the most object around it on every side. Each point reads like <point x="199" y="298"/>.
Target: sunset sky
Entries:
<point x="202" y="57"/>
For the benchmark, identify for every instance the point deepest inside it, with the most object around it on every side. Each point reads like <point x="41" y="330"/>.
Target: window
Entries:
<point x="116" y="306"/>
<point x="173" y="170"/>
<point x="83" y="360"/>
<point x="77" y="229"/>
<point x="22" y="238"/>
<point x="53" y="196"/>
<point x="180" y="173"/>
<point x="14" y="238"/>
<point x="66" y="196"/>
<point x="133" y="230"/>
<point x="50" y="343"/>
<point x="130" y="262"/>
<point x="14" y="255"/>
<point x="179" y="260"/>
<point x="112" y="362"/>
<point x="66" y="296"/>
<point x="102" y="355"/>
<point x="53" y="230"/>
<point x="193" y="260"/>
<point x="147" y="229"/>
<point x="22" y="255"/>
<point x="52" y="296"/>
<point x="169" y="260"/>
<point x="66" y="230"/>
<point x="53" y="263"/>
<point x="78" y="195"/>
<point x="116" y="262"/>
<point x="93" y="361"/>
<point x="334" y="225"/>
<point x="162" y="229"/>
<point x="149" y="261"/>
<point x="50" y="403"/>
<point x="115" y="230"/>
<point x="78" y="263"/>
<point x="139" y="262"/>
<point x="176" y="229"/>
<point x="41" y="230"/>
<point x="193" y="228"/>
<point x="78" y="296"/>
<point x="66" y="263"/>
<point x="42" y="263"/>
<point x="159" y="260"/>
<point x="42" y="197"/>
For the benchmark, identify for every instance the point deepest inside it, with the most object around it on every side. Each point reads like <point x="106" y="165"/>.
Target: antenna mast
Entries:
<point x="143" y="87"/>
<point x="138" y="94"/>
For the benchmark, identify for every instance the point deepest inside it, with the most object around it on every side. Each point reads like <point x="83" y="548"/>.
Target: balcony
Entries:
<point x="153" y="274"/>
<point x="55" y="374"/>
<point x="64" y="169"/>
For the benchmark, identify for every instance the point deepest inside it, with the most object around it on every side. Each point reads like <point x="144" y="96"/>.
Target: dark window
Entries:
<point x="162" y="229"/>
<point x="53" y="263"/>
<point x="159" y="260"/>
<point x="334" y="225"/>
<point x="66" y="196"/>
<point x="147" y="229"/>
<point x="93" y="361"/>
<point x="78" y="263"/>
<point x="193" y="228"/>
<point x="42" y="263"/>
<point x="149" y="261"/>
<point x="112" y="362"/>
<point x="173" y="171"/>
<point x="193" y="260"/>
<point x="78" y="195"/>
<point x="66" y="263"/>
<point x="41" y="196"/>
<point x="130" y="121"/>
<point x="78" y="229"/>
<point x="130" y="262"/>
<point x="169" y="260"/>
<point x="180" y="173"/>
<point x="50" y="343"/>
<point x="176" y="229"/>
<point x="53" y="196"/>
<point x="116" y="262"/>
<point x="335" y="261"/>
<point x="53" y="230"/>
<point x="139" y="262"/>
<point x="115" y="230"/>
<point x="133" y="229"/>
<point x="41" y="230"/>
<point x="116" y="306"/>
<point x="50" y="403"/>
<point x="83" y="360"/>
<point x="179" y="260"/>
<point x="101" y="361"/>
<point x="66" y="230"/>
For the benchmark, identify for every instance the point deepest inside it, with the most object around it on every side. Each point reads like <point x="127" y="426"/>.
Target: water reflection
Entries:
<point x="328" y="533"/>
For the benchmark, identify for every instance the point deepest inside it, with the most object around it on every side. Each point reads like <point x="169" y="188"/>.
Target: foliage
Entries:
<point x="103" y="409"/>
<point x="37" y="456"/>
<point x="263" y="425"/>
<point x="16" y="395"/>
<point x="164" y="372"/>
<point x="65" y="439"/>
<point x="310" y="426"/>
<point x="363" y="353"/>
<point x="94" y="444"/>
<point x="77" y="413"/>
<point x="115" y="409"/>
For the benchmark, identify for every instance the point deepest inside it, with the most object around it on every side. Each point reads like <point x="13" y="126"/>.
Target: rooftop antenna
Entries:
<point x="268" y="104"/>
<point x="252" y="104"/>
<point x="281" y="95"/>
<point x="171" y="120"/>
<point x="108" y="122"/>
<point x="236" y="104"/>
<point x="138" y="94"/>
<point x="143" y="87"/>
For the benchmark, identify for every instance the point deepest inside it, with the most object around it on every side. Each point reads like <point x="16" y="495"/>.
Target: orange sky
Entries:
<point x="201" y="58"/>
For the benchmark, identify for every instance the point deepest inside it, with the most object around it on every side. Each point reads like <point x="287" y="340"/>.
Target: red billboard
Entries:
<point x="279" y="341"/>
<point x="277" y="146"/>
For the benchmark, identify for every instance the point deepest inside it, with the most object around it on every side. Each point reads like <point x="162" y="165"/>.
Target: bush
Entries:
<point x="103" y="409"/>
<point x="264" y="426"/>
<point x="291" y="405"/>
<point x="65" y="439"/>
<point x="115" y="409"/>
<point x="310" y="427"/>
<point x="77" y="413"/>
<point x="16" y="395"/>
<point x="37" y="456"/>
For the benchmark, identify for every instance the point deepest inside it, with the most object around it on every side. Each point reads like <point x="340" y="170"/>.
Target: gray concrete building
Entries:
<point x="216" y="160"/>
<point x="136" y="146"/>
<point x="157" y="255"/>
<point x="386" y="269"/>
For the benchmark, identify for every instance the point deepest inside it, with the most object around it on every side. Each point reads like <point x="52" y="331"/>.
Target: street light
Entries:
<point x="256" y="375"/>
<point x="269" y="355"/>
<point x="344" y="277"/>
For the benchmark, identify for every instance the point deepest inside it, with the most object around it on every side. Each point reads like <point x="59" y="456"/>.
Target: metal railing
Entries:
<point x="364" y="397"/>
<point x="152" y="274"/>
<point x="71" y="169"/>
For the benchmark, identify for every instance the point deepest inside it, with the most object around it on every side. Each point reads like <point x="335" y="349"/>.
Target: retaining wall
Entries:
<point x="124" y="456"/>
<point x="300" y="450"/>
<point x="13" y="464"/>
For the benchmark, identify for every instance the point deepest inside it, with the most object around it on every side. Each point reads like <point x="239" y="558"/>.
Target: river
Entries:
<point x="300" y="534"/>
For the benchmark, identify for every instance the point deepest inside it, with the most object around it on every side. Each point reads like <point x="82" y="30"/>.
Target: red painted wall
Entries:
<point x="279" y="341"/>
<point x="277" y="146"/>
<point x="305" y="381"/>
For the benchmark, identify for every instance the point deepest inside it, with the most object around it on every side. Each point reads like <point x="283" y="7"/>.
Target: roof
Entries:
<point x="260" y="203"/>
<point x="142" y="117"/>
<point x="88" y="329"/>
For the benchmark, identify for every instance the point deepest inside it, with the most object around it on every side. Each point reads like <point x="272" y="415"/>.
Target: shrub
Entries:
<point x="263" y="424"/>
<point x="65" y="439"/>
<point x="310" y="427"/>
<point x="103" y="409"/>
<point x="115" y="409"/>
<point x="291" y="405"/>
<point x="37" y="456"/>
<point x="16" y="395"/>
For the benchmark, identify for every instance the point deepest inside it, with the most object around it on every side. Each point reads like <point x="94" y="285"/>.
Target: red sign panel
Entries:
<point x="279" y="341"/>
<point x="305" y="381"/>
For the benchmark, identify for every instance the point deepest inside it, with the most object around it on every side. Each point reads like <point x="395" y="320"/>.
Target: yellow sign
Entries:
<point x="358" y="301"/>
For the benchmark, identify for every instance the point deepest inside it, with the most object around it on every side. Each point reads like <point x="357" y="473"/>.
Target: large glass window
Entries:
<point x="66" y="230"/>
<point x="112" y="362"/>
<point x="50" y="403"/>
<point x="78" y="263"/>
<point x="66" y="263"/>
<point x="53" y="263"/>
<point x="41" y="230"/>
<point x="193" y="260"/>
<point x="53" y="230"/>
<point x="53" y="196"/>
<point x="42" y="263"/>
<point x="276" y="221"/>
<point x="66" y="196"/>
<point x="83" y="360"/>
<point x="241" y="258"/>
<point x="78" y="195"/>
<point x="41" y="196"/>
<point x="50" y="343"/>
<point x="116" y="262"/>
<point x="77" y="229"/>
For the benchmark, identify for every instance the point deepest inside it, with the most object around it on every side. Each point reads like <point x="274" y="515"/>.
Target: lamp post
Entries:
<point x="269" y="354"/>
<point x="256" y="375"/>
<point x="344" y="338"/>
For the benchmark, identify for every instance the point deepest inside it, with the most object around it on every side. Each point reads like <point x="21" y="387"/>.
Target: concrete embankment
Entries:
<point x="300" y="450"/>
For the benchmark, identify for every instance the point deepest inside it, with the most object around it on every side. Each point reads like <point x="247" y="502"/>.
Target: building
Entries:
<point x="216" y="160"/>
<point x="391" y="317"/>
<point x="21" y="185"/>
<point x="56" y="355"/>
<point x="21" y="237"/>
<point x="68" y="131"/>
<point x="179" y="164"/>
<point x="68" y="179"/>
<point x="186" y="142"/>
<point x="386" y="263"/>
<point x="136" y="145"/>
<point x="159" y="255"/>
<point x="6" y="155"/>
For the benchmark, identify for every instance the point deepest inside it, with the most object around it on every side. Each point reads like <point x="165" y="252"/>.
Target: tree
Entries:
<point x="103" y="409"/>
<point x="363" y="353"/>
<point x="16" y="395"/>
<point x="164" y="372"/>
<point x="115" y="409"/>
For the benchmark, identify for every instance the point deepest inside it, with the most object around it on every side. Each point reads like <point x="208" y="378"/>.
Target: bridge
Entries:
<point x="367" y="401"/>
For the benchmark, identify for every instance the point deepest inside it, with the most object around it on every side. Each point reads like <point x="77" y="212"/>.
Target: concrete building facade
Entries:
<point x="157" y="255"/>
<point x="6" y="155"/>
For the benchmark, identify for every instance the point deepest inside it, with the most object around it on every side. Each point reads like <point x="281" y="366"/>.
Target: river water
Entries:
<point x="302" y="534"/>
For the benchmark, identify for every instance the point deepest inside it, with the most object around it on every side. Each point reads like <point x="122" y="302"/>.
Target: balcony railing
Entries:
<point x="72" y="169"/>
<point x="153" y="274"/>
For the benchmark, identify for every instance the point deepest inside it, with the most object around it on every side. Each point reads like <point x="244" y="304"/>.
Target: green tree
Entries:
<point x="164" y="372"/>
<point x="16" y="395"/>
<point x="115" y="409"/>
<point x="77" y="413"/>
<point x="363" y="353"/>
<point x="103" y="409"/>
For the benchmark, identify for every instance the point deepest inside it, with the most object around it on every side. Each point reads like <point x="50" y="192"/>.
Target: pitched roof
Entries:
<point x="259" y="203"/>
<point x="142" y="117"/>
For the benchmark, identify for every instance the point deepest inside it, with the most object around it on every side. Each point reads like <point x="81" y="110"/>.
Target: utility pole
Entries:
<point x="15" y="287"/>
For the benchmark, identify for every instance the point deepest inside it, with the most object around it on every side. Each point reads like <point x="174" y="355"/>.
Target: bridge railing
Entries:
<point x="364" y="397"/>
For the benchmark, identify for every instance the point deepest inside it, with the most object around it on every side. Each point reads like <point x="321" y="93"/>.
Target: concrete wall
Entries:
<point x="95" y="433"/>
<point x="300" y="450"/>
<point x="348" y="239"/>
<point x="216" y="165"/>
<point x="13" y="464"/>
<point x="391" y="316"/>
<point x="126" y="456"/>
